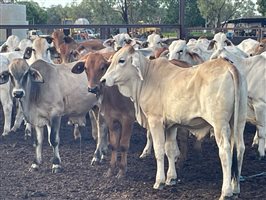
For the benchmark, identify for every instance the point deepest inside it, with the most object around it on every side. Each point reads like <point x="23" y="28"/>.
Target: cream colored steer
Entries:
<point x="211" y="95"/>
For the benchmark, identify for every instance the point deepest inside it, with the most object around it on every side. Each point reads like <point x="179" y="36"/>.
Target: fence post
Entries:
<point x="181" y="19"/>
<point x="8" y="32"/>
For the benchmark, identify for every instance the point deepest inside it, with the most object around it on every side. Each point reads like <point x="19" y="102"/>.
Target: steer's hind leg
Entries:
<point x="222" y="136"/>
<point x="53" y="137"/>
<point x="147" y="149"/>
<point x="172" y="153"/>
<point x="124" y="145"/>
<point x="261" y="128"/>
<point x="115" y="134"/>
<point x="38" y="148"/>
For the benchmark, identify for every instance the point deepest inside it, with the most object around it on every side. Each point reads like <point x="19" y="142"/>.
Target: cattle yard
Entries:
<point x="201" y="176"/>
<point x="44" y="99"/>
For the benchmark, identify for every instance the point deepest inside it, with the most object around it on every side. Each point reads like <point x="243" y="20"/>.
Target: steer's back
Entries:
<point x="186" y="94"/>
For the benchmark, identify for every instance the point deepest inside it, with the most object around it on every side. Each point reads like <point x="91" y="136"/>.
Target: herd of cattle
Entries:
<point x="197" y="87"/>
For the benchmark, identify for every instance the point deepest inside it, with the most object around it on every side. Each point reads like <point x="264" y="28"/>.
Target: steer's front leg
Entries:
<point x="39" y="141"/>
<point x="158" y="138"/>
<point x="53" y="137"/>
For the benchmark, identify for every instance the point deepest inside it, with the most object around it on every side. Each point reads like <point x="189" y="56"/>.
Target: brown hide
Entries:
<point x="261" y="47"/>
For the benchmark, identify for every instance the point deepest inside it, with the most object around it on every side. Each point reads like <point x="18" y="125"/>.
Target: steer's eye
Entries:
<point x="121" y="61"/>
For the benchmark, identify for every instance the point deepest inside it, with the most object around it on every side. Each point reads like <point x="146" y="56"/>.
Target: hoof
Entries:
<point x="144" y="155"/>
<point x="158" y="186"/>
<point x="14" y="129"/>
<point x="34" y="168"/>
<point x="109" y="173"/>
<point x="57" y="169"/>
<point x="171" y="182"/>
<point x="95" y="161"/>
<point x="235" y="195"/>
<point x="121" y="175"/>
<point x="5" y="133"/>
<point x="227" y="198"/>
<point x="242" y="178"/>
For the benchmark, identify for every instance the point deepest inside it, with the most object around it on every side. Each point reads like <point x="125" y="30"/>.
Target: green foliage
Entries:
<point x="197" y="12"/>
<point x="216" y="11"/>
<point x="35" y="14"/>
<point x="262" y="7"/>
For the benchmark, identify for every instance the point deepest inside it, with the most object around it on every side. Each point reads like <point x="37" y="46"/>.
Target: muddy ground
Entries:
<point x="202" y="177"/>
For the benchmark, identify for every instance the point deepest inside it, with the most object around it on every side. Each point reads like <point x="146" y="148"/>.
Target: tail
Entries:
<point x="236" y="78"/>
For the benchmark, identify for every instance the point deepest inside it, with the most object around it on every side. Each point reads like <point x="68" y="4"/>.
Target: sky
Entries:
<point x="48" y="3"/>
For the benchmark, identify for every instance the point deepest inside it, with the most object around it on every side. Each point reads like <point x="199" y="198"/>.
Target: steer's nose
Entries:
<point x="18" y="94"/>
<point x="94" y="90"/>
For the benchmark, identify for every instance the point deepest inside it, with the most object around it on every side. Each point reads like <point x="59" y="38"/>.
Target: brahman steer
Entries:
<point x="10" y="44"/>
<point x="260" y="48"/>
<point x="211" y="95"/>
<point x="45" y="95"/>
<point x="220" y="41"/>
<point x="119" y="113"/>
<point x="178" y="50"/>
<point x="254" y="69"/>
<point x="5" y="94"/>
<point x="117" y="110"/>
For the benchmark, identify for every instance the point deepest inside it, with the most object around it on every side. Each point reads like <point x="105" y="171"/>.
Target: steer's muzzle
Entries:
<point x="18" y="94"/>
<point x="94" y="90"/>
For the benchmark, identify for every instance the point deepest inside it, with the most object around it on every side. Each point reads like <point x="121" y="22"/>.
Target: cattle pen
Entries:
<point x="200" y="178"/>
<point x="173" y="31"/>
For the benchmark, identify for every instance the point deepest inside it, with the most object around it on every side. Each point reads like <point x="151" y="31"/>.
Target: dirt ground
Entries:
<point x="202" y="177"/>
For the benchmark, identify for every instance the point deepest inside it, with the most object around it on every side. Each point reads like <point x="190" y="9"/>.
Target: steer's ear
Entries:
<point x="4" y="48"/>
<point x="35" y="76"/>
<point x="27" y="53"/>
<point x="49" y="39"/>
<point x="211" y="45"/>
<point x="136" y="63"/>
<point x="78" y="68"/>
<point x="4" y="77"/>
<point x="228" y="43"/>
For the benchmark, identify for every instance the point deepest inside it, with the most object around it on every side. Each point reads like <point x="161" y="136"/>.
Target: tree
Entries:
<point x="192" y="14"/>
<point x="35" y="14"/>
<point x="261" y="7"/>
<point x="56" y="14"/>
<point x="216" y="11"/>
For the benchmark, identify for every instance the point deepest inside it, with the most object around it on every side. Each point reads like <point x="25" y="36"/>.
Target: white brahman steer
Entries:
<point x="118" y="41"/>
<point x="5" y="97"/>
<point x="166" y="97"/>
<point x="5" y="94"/>
<point x="45" y="95"/>
<point x="260" y="48"/>
<point x="220" y="41"/>
<point x="178" y="50"/>
<point x="248" y="46"/>
<point x="254" y="68"/>
<point x="23" y="44"/>
<point x="10" y="44"/>
<point x="41" y="49"/>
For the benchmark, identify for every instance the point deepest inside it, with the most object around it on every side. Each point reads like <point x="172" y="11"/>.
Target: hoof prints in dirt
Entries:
<point x="201" y="176"/>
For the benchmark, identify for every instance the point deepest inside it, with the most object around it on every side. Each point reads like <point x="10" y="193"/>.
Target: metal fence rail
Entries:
<point x="104" y="28"/>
